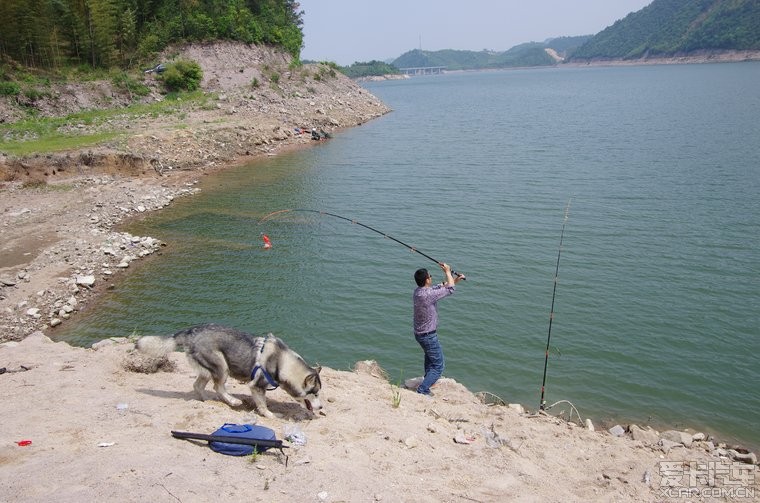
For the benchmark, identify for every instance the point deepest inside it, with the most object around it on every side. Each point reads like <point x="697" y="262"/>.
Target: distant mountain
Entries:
<point x="673" y="27"/>
<point x="664" y="28"/>
<point x="528" y="54"/>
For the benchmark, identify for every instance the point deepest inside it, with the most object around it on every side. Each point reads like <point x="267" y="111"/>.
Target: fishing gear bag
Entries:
<point x="250" y="431"/>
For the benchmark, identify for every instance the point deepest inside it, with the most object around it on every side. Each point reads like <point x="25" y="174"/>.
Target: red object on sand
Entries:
<point x="24" y="443"/>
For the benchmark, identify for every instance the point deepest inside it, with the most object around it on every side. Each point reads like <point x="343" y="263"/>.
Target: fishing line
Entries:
<point x="542" y="405"/>
<point x="319" y="212"/>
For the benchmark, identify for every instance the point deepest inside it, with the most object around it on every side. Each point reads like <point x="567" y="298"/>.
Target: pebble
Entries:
<point x="679" y="437"/>
<point x="589" y="425"/>
<point x="666" y="445"/>
<point x="617" y="431"/>
<point x="647" y="436"/>
<point x="102" y="343"/>
<point x="517" y="408"/>
<point x="87" y="280"/>
<point x="749" y="457"/>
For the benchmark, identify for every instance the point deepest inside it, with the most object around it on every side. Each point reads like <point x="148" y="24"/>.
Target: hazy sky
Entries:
<point x="346" y="31"/>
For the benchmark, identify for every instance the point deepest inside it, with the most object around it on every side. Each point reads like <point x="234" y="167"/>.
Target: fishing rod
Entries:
<point x="542" y="405"/>
<point x="320" y="212"/>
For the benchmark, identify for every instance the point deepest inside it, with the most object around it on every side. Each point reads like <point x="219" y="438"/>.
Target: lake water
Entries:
<point x="656" y="310"/>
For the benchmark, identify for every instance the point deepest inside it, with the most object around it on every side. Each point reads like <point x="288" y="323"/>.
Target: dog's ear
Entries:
<point x="318" y="369"/>
<point x="311" y="379"/>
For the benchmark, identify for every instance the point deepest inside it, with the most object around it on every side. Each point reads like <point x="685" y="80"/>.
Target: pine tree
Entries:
<point x="102" y="30"/>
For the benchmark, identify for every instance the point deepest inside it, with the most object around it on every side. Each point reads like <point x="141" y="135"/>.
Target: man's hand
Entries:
<point x="447" y="270"/>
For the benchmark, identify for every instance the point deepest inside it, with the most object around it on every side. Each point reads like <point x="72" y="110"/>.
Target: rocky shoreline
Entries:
<point x="54" y="263"/>
<point x="697" y="57"/>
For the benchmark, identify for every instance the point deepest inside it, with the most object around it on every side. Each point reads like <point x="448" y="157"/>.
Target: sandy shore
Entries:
<point x="79" y="424"/>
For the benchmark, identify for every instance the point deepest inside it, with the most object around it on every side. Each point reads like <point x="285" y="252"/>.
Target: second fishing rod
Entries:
<point x="326" y="213"/>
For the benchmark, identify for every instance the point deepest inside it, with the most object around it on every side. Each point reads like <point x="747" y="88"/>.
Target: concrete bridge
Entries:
<point x="423" y="70"/>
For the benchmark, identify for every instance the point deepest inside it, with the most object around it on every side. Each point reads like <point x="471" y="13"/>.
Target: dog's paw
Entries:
<point x="234" y="402"/>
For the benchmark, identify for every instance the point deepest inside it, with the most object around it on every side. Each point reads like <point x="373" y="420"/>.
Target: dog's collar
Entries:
<point x="262" y="342"/>
<point x="266" y="374"/>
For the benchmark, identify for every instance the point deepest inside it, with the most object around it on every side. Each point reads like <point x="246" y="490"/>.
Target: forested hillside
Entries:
<point x="107" y="33"/>
<point x="664" y="28"/>
<point x="528" y="54"/>
<point x="669" y="27"/>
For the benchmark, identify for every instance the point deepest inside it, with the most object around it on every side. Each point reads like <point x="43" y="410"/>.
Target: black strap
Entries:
<point x="256" y="442"/>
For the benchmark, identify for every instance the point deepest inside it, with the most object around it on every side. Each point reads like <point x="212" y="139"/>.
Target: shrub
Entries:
<point x="182" y="75"/>
<point x="148" y="47"/>
<point x="124" y="81"/>
<point x="9" y="89"/>
<point x="33" y="94"/>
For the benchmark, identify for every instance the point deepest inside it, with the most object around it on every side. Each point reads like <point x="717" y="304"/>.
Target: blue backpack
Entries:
<point x="237" y="439"/>
<point x="249" y="431"/>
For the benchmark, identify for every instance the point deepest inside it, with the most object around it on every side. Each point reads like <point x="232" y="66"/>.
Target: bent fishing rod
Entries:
<point x="542" y="405"/>
<point x="319" y="212"/>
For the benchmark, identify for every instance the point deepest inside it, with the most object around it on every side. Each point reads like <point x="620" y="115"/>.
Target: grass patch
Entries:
<point x="395" y="397"/>
<point x="254" y="456"/>
<point x="56" y="143"/>
<point x="33" y="184"/>
<point x="52" y="134"/>
<point x="43" y="186"/>
<point x="59" y="187"/>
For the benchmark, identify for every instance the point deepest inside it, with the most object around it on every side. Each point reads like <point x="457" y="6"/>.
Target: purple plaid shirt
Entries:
<point x="426" y="308"/>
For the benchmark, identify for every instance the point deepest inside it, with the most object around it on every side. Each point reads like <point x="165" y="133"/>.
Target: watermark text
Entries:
<point x="714" y="479"/>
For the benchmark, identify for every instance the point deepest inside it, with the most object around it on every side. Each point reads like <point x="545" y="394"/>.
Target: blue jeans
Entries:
<point x="433" y="361"/>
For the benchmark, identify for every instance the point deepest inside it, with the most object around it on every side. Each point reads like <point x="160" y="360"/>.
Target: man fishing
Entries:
<point x="425" y="299"/>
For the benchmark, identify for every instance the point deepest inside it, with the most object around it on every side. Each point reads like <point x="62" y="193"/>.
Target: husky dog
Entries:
<point x="218" y="352"/>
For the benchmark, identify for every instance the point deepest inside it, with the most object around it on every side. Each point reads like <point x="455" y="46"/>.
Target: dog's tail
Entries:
<point x="161" y="345"/>
<point x="156" y="346"/>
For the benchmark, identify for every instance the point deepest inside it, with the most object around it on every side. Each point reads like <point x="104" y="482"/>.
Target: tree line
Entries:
<point x="368" y="69"/>
<point x="106" y="33"/>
